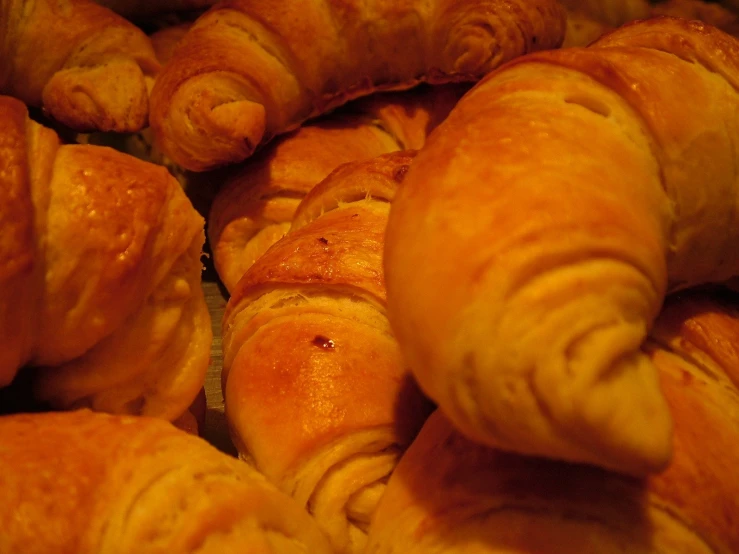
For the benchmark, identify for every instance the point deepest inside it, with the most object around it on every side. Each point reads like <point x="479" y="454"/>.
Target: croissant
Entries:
<point x="100" y="275"/>
<point x="317" y="395"/>
<point x="449" y="494"/>
<point x="248" y="70"/>
<point x="89" y="68"/>
<point x="90" y="483"/>
<point x="257" y="201"/>
<point x="555" y="207"/>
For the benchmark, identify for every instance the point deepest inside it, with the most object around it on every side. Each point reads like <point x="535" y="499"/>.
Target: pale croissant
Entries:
<point x="541" y="226"/>
<point x="250" y="70"/>
<point x="90" y="483"/>
<point x="89" y="68"/>
<point x="100" y="275"/>
<point x="317" y="395"/>
<point x="256" y="204"/>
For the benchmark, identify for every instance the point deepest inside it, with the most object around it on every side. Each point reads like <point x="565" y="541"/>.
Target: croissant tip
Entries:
<point x="98" y="98"/>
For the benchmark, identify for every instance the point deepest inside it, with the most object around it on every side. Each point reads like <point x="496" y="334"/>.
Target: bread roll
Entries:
<point x="89" y="68"/>
<point x="100" y="281"/>
<point x="555" y="207"/>
<point x="451" y="495"/>
<point x="317" y="395"/>
<point x="248" y="71"/>
<point x="86" y="483"/>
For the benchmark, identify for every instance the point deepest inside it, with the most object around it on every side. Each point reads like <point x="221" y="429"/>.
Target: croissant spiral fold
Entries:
<point x="89" y="68"/>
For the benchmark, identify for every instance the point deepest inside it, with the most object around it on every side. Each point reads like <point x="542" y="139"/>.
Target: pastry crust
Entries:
<point x="102" y="285"/>
<point x="248" y="71"/>
<point x="539" y="229"/>
<point x="89" y="68"/>
<point x="449" y="494"/>
<point x="317" y="395"/>
<point x="88" y="483"/>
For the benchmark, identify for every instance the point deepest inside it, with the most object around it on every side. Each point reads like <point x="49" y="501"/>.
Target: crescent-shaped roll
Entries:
<point x="452" y="495"/>
<point x="249" y="70"/>
<point x="100" y="275"/>
<point x="90" y="483"/>
<point x="317" y="395"/>
<point x="542" y="224"/>
<point x="89" y="68"/>
<point x="255" y="205"/>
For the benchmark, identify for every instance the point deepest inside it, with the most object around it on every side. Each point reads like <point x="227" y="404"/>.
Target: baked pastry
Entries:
<point x="317" y="395"/>
<point x="553" y="266"/>
<point x="89" y="483"/>
<point x="255" y="205"/>
<point x="100" y="281"/>
<point x="89" y="68"/>
<point x="450" y="494"/>
<point x="141" y="144"/>
<point x="248" y="71"/>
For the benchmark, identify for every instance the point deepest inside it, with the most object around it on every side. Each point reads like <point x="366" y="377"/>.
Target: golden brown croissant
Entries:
<point x="451" y="495"/>
<point x="87" y="483"/>
<point x="538" y="230"/>
<point x="89" y="68"/>
<point x="248" y="70"/>
<point x="255" y="206"/>
<point x="100" y="275"/>
<point x="317" y="395"/>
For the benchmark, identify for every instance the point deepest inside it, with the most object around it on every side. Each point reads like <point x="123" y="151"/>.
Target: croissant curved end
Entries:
<point x="632" y="436"/>
<point x="112" y="96"/>
<point x="208" y="123"/>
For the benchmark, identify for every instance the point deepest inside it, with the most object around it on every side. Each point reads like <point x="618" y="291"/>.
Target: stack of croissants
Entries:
<point x="480" y="258"/>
